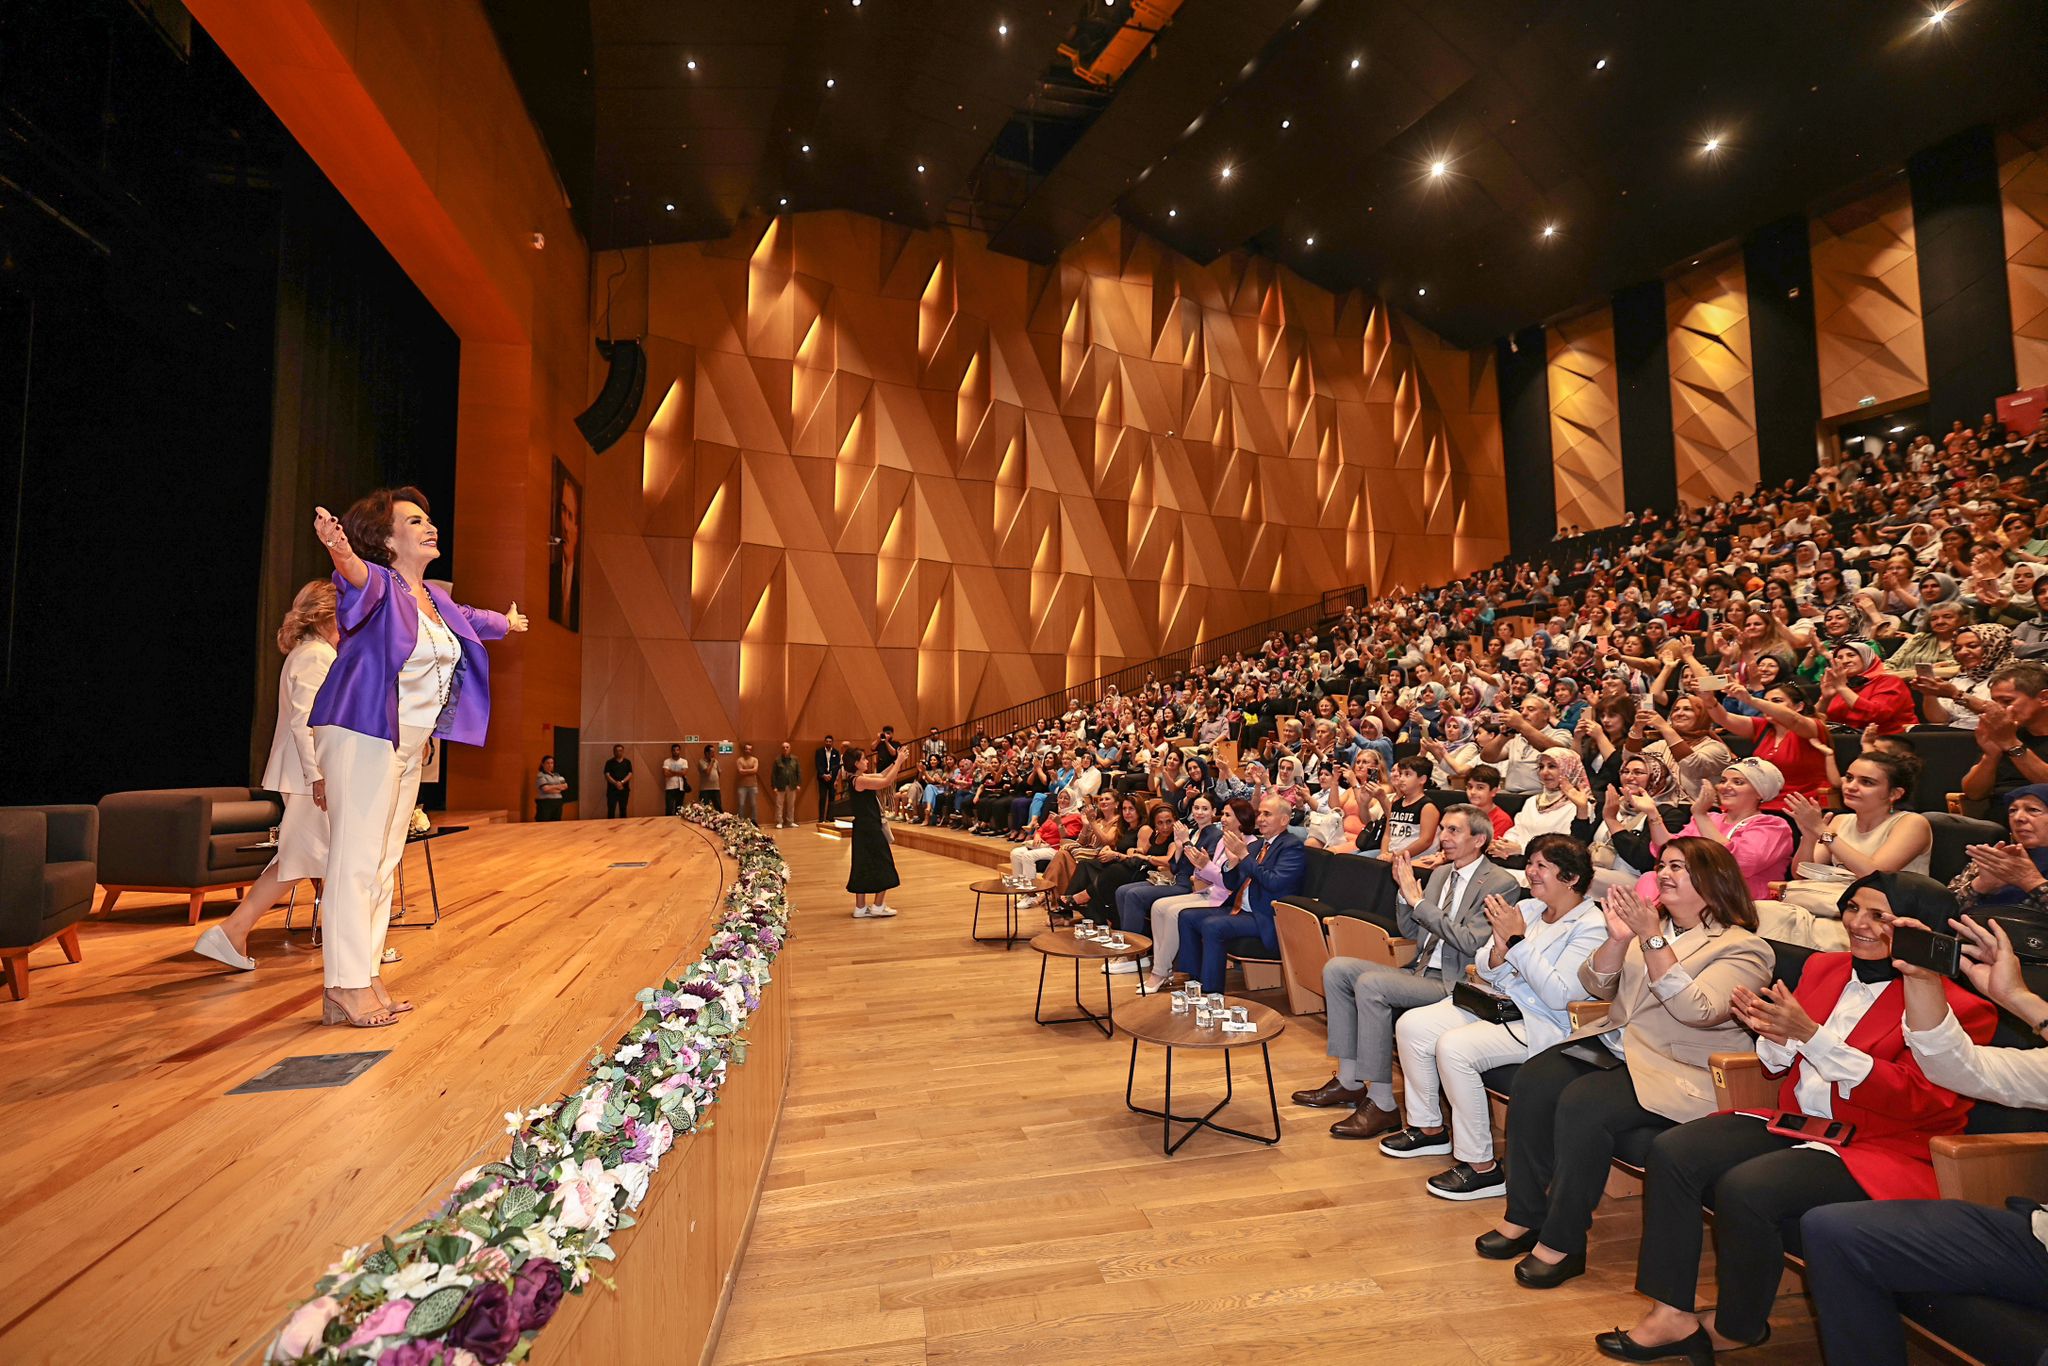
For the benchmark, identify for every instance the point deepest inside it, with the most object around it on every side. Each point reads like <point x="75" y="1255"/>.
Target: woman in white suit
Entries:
<point x="307" y="639"/>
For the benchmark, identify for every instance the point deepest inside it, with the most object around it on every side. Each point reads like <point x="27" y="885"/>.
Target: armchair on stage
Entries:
<point x="184" y="839"/>
<point x="47" y="858"/>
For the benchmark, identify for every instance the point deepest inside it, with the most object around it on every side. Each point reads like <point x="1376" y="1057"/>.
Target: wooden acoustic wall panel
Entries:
<point x="891" y="477"/>
<point x="2023" y="172"/>
<point x="1713" y="404"/>
<point x="1866" y="302"/>
<point x="1585" y="421"/>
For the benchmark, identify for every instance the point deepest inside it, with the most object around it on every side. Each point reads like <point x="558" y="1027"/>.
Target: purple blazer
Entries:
<point x="380" y="624"/>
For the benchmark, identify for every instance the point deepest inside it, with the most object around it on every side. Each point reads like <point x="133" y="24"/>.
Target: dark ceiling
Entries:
<point x="1811" y="99"/>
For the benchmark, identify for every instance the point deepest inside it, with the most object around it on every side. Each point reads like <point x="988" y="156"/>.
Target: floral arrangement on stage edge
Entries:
<point x="472" y="1285"/>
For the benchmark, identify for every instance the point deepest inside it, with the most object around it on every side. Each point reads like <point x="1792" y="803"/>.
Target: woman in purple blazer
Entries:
<point x="411" y="665"/>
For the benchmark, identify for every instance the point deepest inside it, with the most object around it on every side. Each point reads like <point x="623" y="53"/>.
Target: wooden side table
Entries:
<point x="1151" y="1020"/>
<point x="995" y="886"/>
<point x="1066" y="944"/>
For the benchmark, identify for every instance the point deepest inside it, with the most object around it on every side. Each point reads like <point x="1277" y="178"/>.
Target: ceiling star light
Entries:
<point x="1439" y="167"/>
<point x="1550" y="229"/>
<point x="1600" y="65"/>
<point x="1357" y="62"/>
<point x="1421" y="291"/>
<point x="1939" y="16"/>
<point x="1225" y="172"/>
<point x="1287" y="123"/>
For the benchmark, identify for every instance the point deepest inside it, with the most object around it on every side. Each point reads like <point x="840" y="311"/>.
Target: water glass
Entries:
<point x="1240" y="1015"/>
<point x="1177" y="1002"/>
<point x="1203" y="1018"/>
<point x="273" y="833"/>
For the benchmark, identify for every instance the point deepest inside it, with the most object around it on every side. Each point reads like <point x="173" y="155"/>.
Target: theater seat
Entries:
<point x="1954" y="834"/>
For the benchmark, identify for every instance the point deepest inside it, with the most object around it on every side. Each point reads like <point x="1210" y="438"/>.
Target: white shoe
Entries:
<point x="1123" y="965"/>
<point x="879" y="912"/>
<point x="214" y="944"/>
<point x="862" y="913"/>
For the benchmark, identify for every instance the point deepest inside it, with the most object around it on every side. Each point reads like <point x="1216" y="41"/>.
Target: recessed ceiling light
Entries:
<point x="1225" y="172"/>
<point x="670" y="207"/>
<point x="690" y="65"/>
<point x="1310" y="242"/>
<point x="784" y="201"/>
<point x="1711" y="145"/>
<point x="1002" y="30"/>
<point x="1173" y="213"/>
<point x="1357" y="62"/>
<point x="1550" y="229"/>
<point x="1439" y="166"/>
<point x="920" y="168"/>
<point x="830" y="82"/>
<point x="1600" y="65"/>
<point x="1900" y="428"/>
<point x="1939" y="16"/>
<point x="1420" y="292"/>
<point x="1287" y="123"/>
<point x="807" y="149"/>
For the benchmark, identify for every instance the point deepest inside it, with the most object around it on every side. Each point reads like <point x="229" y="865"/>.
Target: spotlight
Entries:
<point x="1439" y="167"/>
<point x="1600" y="65"/>
<point x="690" y="65"/>
<point x="1939" y="16"/>
<point x="1711" y="146"/>
<point x="1225" y="172"/>
<point x="1287" y="123"/>
<point x="1356" y="62"/>
<point x="1550" y="229"/>
<point x="1002" y="30"/>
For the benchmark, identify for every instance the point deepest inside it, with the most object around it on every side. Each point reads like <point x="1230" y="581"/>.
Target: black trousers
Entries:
<point x="825" y="786"/>
<point x="1858" y="1256"/>
<point x="1565" y="1119"/>
<point x="1760" y="1185"/>
<point x="672" y="799"/>
<point x="547" y="808"/>
<point x="615" y="799"/>
<point x="712" y="798"/>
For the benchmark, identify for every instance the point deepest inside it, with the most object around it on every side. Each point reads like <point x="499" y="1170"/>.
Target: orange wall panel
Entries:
<point x="2023" y="172"/>
<point x="1585" y="421"/>
<point x="1713" y="404"/>
<point x="889" y="476"/>
<point x="1866" y="302"/>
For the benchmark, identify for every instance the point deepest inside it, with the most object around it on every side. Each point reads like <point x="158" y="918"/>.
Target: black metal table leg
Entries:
<point x="1087" y="1016"/>
<point x="433" y="889"/>
<point x="1167" y="1118"/>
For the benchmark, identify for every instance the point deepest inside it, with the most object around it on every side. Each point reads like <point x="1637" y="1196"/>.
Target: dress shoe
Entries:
<point x="1367" y="1121"/>
<point x="1695" y="1347"/>
<point x="1538" y="1274"/>
<point x="214" y="944"/>
<point x="1466" y="1182"/>
<point x="1331" y="1093"/>
<point x="1415" y="1143"/>
<point x="1496" y="1246"/>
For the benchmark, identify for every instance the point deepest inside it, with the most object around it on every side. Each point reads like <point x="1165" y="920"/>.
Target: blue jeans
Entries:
<point x="1205" y="931"/>
<point x="1134" y="903"/>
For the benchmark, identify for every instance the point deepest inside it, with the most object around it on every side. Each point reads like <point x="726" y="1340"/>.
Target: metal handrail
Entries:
<point x="1020" y="714"/>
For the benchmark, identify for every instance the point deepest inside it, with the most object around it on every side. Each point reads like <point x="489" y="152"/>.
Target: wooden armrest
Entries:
<point x="1953" y="803"/>
<point x="1740" y="1082"/>
<point x="1584" y="1013"/>
<point x="1404" y="951"/>
<point x="1777" y="889"/>
<point x="1986" y="1168"/>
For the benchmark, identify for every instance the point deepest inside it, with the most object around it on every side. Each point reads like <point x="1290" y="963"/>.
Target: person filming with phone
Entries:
<point x="1858" y="1256"/>
<point x="1853" y="1121"/>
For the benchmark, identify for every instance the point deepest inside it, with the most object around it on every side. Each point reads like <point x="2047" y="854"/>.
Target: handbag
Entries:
<point x="1484" y="1003"/>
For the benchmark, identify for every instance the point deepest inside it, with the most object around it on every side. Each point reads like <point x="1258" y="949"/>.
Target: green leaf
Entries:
<point x="477" y="1224"/>
<point x="383" y="1263"/>
<point x="518" y="1201"/>
<point x="432" y="1315"/>
<point x="497" y="1169"/>
<point x="447" y="1249"/>
<point x="522" y="1154"/>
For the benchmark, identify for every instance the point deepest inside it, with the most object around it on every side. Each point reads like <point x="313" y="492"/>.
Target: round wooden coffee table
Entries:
<point x="1150" y="1019"/>
<point x="1009" y="892"/>
<point x="1066" y="944"/>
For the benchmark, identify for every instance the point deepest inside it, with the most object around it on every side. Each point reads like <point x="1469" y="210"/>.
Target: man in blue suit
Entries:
<point x="1274" y="865"/>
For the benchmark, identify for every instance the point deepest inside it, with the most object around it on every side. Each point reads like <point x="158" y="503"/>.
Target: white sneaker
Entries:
<point x="879" y="912"/>
<point x="1123" y="965"/>
<point x="214" y="944"/>
<point x="862" y="912"/>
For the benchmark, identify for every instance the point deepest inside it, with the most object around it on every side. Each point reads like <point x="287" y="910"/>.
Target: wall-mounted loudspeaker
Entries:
<point x="606" y="420"/>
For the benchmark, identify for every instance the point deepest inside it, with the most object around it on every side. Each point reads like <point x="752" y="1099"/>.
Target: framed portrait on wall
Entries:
<point x="565" y="562"/>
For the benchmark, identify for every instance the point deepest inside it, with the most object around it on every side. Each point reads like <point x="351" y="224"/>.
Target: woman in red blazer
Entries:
<point x="1857" y="691"/>
<point x="1838" y="1043"/>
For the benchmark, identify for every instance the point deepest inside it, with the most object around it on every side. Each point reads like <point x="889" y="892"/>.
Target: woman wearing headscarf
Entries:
<point x="1760" y="840"/>
<point x="2009" y="873"/>
<point x="1837" y="1040"/>
<point x="1859" y="691"/>
<point x="1960" y="701"/>
<point x="1646" y="781"/>
<point x="1560" y="802"/>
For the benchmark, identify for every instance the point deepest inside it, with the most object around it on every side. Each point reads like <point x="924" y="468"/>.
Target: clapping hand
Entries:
<point x="1628" y="915"/>
<point x="514" y="618"/>
<point x="1773" y="1013"/>
<point x="1806" y="813"/>
<point x="1234" y="845"/>
<point x="1404" y="877"/>
<point x="2007" y="864"/>
<point x="1505" y="917"/>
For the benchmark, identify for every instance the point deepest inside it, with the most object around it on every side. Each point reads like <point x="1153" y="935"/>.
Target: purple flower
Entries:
<point x="536" y="1291"/>
<point x="665" y="1004"/>
<point x="703" y="991"/>
<point x="641" y="1143"/>
<point x="489" y="1329"/>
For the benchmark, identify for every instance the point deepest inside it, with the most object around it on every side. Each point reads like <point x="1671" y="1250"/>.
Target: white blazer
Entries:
<point x="294" y="766"/>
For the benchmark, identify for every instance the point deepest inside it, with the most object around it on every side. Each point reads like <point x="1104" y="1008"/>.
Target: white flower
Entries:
<point x="586" y="1193"/>
<point x="539" y="1241"/>
<point x="421" y="1279"/>
<point x="631" y="1052"/>
<point x="632" y="1179"/>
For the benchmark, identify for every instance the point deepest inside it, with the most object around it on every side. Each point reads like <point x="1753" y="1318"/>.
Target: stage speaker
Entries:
<point x="606" y="420"/>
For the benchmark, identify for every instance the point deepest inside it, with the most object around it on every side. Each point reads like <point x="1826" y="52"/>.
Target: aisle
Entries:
<point x="954" y="1183"/>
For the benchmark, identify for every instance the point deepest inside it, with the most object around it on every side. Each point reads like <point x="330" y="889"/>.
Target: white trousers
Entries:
<point x="1443" y="1046"/>
<point x="1166" y="928"/>
<point x="1028" y="860"/>
<point x="371" y="790"/>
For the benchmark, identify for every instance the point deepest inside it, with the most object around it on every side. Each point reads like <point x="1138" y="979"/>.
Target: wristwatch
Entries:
<point x="2014" y="751"/>
<point x="1516" y="939"/>
<point x="1828" y="838"/>
<point x="1656" y="941"/>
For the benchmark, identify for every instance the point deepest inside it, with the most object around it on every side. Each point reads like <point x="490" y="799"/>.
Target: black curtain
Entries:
<point x="1965" y="307"/>
<point x="367" y="374"/>
<point x="1642" y="364"/>
<point x="1523" y="374"/>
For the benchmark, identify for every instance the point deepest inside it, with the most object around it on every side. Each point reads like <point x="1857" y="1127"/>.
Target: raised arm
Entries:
<point x="346" y="562"/>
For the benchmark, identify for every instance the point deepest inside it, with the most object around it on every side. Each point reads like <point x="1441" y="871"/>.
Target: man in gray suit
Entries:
<point x="1448" y="923"/>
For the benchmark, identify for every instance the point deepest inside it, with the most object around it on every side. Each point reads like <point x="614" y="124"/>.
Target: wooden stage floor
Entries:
<point x="952" y="1183"/>
<point x="151" y="1218"/>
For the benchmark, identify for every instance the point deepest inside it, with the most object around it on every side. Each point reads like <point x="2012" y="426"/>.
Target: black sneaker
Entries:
<point x="1413" y="1142"/>
<point x="1464" y="1182"/>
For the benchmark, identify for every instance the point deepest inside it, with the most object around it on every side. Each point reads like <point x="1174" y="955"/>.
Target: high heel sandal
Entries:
<point x="333" y="1012"/>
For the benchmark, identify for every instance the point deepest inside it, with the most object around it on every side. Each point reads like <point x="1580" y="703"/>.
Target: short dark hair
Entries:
<point x="1247" y="814"/>
<point x="1571" y="858"/>
<point x="1419" y="767"/>
<point x="1483" y="773"/>
<point x="2025" y="674"/>
<point x="368" y="521"/>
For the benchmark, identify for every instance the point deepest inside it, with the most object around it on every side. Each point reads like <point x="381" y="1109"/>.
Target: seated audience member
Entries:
<point x="1409" y="821"/>
<point x="2012" y="734"/>
<point x="1837" y="1040"/>
<point x="1482" y="786"/>
<point x="1116" y="834"/>
<point x="1217" y="876"/>
<point x="1527" y="733"/>
<point x="1686" y="743"/>
<point x="1624" y="830"/>
<point x="1274" y="865"/>
<point x="1532" y="959"/>
<point x="1447" y="920"/>
<point x="1560" y="803"/>
<point x="1199" y="835"/>
<point x="1784" y="732"/>
<point x="1097" y="884"/>
<point x="1860" y="1255"/>
<point x="1960" y="702"/>
<point x="1026" y="860"/>
<point x="1874" y="835"/>
<point x="2014" y="872"/>
<point x="1760" y="840"/>
<point x="1858" y="691"/>
<point x="1671" y="968"/>
<point x="1105" y="825"/>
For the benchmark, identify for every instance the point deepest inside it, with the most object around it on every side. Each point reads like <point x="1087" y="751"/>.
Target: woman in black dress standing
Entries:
<point x="874" y="867"/>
